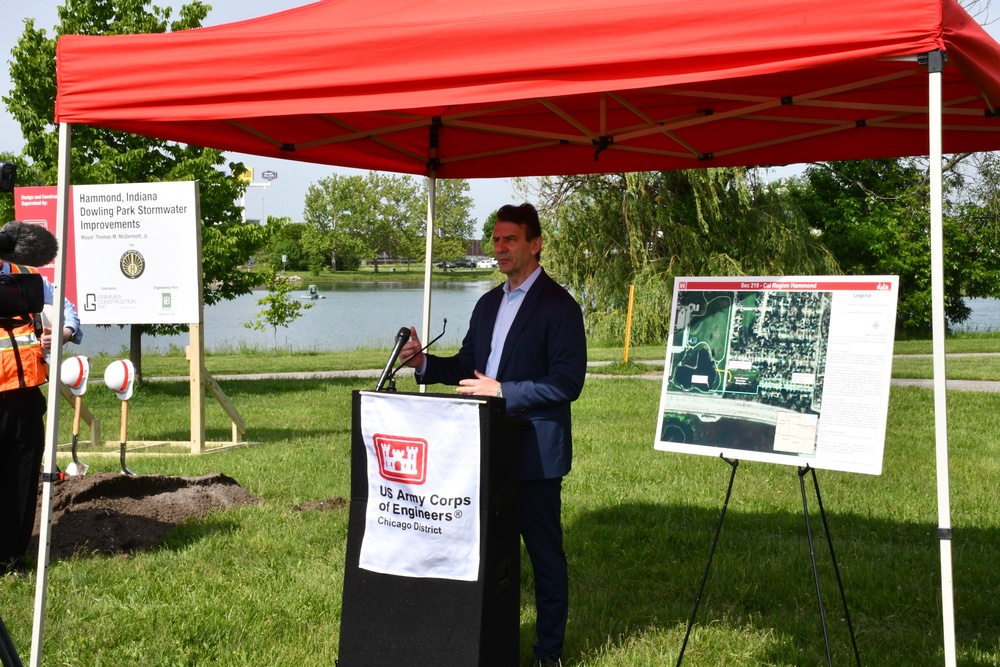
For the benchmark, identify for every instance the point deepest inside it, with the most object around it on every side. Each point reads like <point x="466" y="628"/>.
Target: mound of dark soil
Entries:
<point x="110" y="513"/>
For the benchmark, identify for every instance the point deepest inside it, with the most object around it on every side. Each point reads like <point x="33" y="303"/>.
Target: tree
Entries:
<point x="280" y="309"/>
<point x="284" y="244"/>
<point x="873" y="216"/>
<point x="488" y="225"/>
<point x="453" y="222"/>
<point x="316" y="248"/>
<point x="611" y="231"/>
<point x="105" y="156"/>
<point x="375" y="216"/>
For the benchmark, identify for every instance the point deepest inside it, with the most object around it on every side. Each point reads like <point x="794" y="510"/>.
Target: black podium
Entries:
<point x="409" y="621"/>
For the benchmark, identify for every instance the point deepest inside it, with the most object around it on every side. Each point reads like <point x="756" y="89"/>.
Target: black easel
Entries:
<point x="833" y="557"/>
<point x="8" y="654"/>
<point x="715" y="540"/>
<point x="812" y="556"/>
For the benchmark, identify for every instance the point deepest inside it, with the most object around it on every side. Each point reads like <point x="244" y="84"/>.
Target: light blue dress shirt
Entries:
<point x="509" y="305"/>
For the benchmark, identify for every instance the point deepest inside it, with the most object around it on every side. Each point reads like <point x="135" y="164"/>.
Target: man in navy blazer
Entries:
<point x="526" y="343"/>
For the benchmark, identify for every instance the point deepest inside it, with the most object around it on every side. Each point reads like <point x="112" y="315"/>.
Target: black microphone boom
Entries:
<point x="402" y="336"/>
<point x="26" y="243"/>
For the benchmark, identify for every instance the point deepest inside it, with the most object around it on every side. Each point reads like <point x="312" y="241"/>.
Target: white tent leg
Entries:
<point x="49" y="464"/>
<point x="936" y="65"/>
<point x="425" y="325"/>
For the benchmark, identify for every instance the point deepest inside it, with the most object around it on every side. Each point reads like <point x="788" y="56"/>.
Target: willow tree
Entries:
<point x="608" y="232"/>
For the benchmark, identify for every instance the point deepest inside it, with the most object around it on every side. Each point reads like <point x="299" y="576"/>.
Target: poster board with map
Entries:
<point x="789" y="370"/>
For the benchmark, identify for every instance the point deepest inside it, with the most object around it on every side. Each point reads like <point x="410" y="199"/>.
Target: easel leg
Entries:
<point x="8" y="654"/>
<point x="715" y="540"/>
<point x="836" y="570"/>
<point x="812" y="557"/>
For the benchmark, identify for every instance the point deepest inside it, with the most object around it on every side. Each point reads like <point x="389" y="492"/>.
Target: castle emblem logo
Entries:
<point x="401" y="458"/>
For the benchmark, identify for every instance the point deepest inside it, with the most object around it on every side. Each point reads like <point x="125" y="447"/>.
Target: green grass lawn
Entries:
<point x="261" y="584"/>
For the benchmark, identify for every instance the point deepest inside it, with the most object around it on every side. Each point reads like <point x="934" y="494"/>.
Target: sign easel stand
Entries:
<point x="734" y="464"/>
<point x="802" y="471"/>
<point x="833" y="558"/>
<point x="8" y="653"/>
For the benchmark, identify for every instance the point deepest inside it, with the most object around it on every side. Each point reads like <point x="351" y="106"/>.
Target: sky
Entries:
<point x="285" y="195"/>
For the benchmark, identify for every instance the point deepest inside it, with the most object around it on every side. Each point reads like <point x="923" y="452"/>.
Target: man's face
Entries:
<point x="515" y="254"/>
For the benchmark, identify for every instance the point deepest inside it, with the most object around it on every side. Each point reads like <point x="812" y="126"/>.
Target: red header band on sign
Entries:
<point x="783" y="286"/>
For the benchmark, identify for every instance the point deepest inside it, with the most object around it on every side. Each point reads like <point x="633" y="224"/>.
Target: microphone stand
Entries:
<point x="402" y="336"/>
<point x="392" y="376"/>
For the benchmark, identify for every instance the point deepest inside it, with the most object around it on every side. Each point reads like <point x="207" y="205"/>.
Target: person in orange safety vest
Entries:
<point x="23" y="369"/>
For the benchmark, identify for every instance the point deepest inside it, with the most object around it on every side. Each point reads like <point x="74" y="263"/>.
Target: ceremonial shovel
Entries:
<point x="119" y="377"/>
<point x="74" y="374"/>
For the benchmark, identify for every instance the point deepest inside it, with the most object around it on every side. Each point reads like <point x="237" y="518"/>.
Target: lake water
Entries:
<point x="351" y="315"/>
<point x="357" y="315"/>
<point x="985" y="316"/>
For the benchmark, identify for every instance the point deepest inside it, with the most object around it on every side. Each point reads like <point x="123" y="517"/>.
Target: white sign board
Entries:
<point x="422" y="518"/>
<point x="792" y="370"/>
<point x="137" y="253"/>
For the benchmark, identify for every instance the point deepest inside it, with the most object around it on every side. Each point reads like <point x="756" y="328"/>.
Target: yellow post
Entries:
<point x="628" y="319"/>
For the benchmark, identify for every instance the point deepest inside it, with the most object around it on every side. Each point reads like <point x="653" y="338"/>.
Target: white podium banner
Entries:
<point x="422" y="518"/>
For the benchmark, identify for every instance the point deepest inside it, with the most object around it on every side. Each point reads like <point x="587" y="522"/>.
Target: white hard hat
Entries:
<point x="120" y="376"/>
<point x="74" y="373"/>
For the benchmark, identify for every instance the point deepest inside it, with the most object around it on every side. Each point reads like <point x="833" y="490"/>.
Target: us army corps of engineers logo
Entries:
<point x="401" y="458"/>
<point x="132" y="264"/>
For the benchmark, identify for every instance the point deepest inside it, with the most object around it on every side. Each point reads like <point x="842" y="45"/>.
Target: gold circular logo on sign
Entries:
<point x="132" y="264"/>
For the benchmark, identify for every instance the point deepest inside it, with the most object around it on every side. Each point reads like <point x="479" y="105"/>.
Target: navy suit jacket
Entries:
<point x="542" y="369"/>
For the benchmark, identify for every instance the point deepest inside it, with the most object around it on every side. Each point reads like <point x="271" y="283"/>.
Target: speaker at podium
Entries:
<point x="432" y="572"/>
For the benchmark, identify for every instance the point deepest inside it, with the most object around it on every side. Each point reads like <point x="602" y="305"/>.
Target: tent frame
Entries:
<point x="753" y="107"/>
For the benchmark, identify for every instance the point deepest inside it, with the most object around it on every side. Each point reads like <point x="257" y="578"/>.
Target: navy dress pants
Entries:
<point x="541" y="530"/>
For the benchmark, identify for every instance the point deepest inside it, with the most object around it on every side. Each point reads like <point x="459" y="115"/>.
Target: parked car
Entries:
<point x="489" y="263"/>
<point x="467" y="263"/>
<point x="445" y="264"/>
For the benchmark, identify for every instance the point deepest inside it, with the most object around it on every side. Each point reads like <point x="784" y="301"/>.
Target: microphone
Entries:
<point x="402" y="336"/>
<point x="392" y="376"/>
<point x="29" y="244"/>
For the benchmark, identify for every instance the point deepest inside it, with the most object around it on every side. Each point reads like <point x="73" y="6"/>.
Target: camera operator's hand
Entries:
<point x="46" y="339"/>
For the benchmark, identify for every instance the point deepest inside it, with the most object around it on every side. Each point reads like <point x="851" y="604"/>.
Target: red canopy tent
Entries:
<point x="459" y="89"/>
<point x="533" y="87"/>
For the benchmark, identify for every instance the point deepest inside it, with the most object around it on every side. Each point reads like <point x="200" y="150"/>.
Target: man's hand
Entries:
<point x="46" y="339"/>
<point x="411" y="354"/>
<point x="479" y="386"/>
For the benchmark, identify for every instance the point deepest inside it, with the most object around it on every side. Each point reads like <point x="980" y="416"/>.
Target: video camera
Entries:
<point x="21" y="294"/>
<point x="8" y="171"/>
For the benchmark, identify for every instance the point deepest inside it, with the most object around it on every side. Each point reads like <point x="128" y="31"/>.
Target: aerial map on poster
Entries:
<point x="790" y="370"/>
